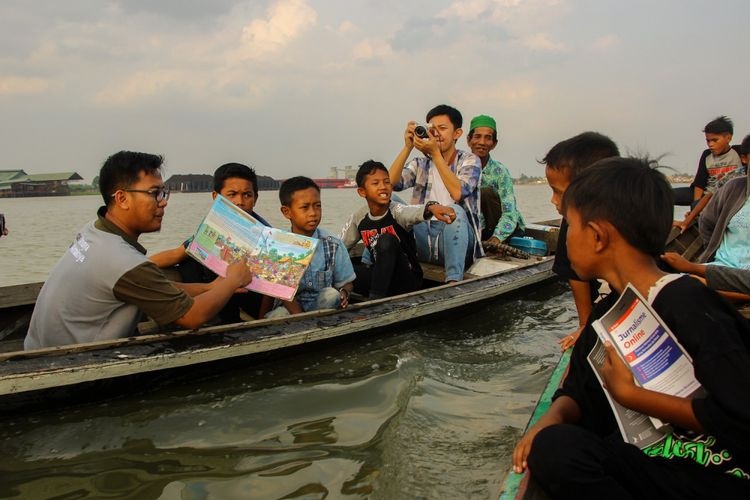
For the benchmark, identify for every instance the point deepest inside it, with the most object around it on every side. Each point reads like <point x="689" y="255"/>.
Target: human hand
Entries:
<point x="409" y="135"/>
<point x="428" y="146"/>
<point x="240" y="273"/>
<point x="344" y="295"/>
<point x="443" y="213"/>
<point x="678" y="262"/>
<point x="681" y="224"/>
<point x="523" y="448"/>
<point x="570" y="340"/>
<point x="617" y="377"/>
<point x="494" y="241"/>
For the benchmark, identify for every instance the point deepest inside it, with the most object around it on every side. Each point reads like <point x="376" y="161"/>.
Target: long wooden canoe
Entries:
<point x="28" y="375"/>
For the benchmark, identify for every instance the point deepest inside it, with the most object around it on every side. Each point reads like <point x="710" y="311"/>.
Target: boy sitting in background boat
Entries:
<point x="718" y="164"/>
<point x="724" y="225"/>
<point x="566" y="160"/>
<point x="239" y="184"/>
<point x="500" y="216"/>
<point x="328" y="280"/>
<point x="385" y="228"/>
<point x="575" y="450"/>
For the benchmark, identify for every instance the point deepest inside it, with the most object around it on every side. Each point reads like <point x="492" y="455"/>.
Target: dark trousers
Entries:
<point x="192" y="271"/>
<point x="492" y="209"/>
<point x="568" y="461"/>
<point x="390" y="275"/>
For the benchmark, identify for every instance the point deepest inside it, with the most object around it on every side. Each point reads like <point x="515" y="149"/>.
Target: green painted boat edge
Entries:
<point x="513" y="480"/>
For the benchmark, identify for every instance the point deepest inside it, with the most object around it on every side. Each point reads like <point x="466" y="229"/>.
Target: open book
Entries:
<point x="277" y="258"/>
<point x="655" y="357"/>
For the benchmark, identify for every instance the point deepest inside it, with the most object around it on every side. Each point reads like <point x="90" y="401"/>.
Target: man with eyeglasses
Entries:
<point x="99" y="288"/>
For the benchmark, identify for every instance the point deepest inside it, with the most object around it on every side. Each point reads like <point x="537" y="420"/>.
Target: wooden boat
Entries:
<point x="26" y="376"/>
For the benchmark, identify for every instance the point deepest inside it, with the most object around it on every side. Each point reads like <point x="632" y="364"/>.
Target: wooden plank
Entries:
<point x="434" y="272"/>
<point x="19" y="295"/>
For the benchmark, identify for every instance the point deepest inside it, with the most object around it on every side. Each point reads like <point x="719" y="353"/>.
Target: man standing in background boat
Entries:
<point x="103" y="282"/>
<point x="501" y="218"/>
<point x="447" y="176"/>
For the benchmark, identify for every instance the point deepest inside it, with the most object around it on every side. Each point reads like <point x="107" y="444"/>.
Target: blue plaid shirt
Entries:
<point x="468" y="169"/>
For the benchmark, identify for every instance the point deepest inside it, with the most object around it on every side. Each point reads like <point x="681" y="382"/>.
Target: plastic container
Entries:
<point x="529" y="245"/>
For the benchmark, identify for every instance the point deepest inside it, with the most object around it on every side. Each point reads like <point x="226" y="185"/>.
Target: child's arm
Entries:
<point x="169" y="258"/>
<point x="618" y="380"/>
<point x="266" y="303"/>
<point x="349" y="233"/>
<point x="582" y="297"/>
<point x="408" y="215"/>
<point x="682" y="265"/>
<point x="693" y="214"/>
<point x="292" y="306"/>
<point x="563" y="410"/>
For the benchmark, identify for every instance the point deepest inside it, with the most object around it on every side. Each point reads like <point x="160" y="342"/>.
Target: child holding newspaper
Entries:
<point x="575" y="450"/>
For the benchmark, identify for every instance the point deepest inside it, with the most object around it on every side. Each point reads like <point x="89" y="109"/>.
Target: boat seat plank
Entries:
<point x="19" y="295"/>
<point x="434" y="272"/>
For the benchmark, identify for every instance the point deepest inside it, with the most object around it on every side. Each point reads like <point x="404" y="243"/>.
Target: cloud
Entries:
<point x="471" y="10"/>
<point x="140" y="85"/>
<point x="368" y="50"/>
<point x="197" y="10"/>
<point x="541" y="42"/>
<point x="605" y="43"/>
<point x="18" y="85"/>
<point x="285" y="21"/>
<point x="502" y="93"/>
<point x="346" y="27"/>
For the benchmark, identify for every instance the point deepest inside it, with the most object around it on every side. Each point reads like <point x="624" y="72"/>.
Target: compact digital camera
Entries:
<point x="422" y="131"/>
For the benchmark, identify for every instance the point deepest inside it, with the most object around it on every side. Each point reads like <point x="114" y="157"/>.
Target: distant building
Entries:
<point x="190" y="183"/>
<point x="349" y="172"/>
<point x="19" y="184"/>
<point x="204" y="183"/>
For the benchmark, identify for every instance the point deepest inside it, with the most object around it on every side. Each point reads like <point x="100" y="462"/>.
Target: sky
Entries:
<point x="294" y="87"/>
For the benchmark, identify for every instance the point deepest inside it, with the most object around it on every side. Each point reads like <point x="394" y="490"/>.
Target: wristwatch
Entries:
<point x="427" y="208"/>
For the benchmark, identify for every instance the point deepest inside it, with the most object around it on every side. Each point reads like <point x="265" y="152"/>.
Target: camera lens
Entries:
<point x="421" y="131"/>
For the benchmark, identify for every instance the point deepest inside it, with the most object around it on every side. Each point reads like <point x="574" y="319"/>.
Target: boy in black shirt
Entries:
<point x="575" y="450"/>
<point x="385" y="229"/>
<point x="563" y="163"/>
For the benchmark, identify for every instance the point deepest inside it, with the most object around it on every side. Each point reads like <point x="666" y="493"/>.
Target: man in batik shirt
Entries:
<point x="499" y="210"/>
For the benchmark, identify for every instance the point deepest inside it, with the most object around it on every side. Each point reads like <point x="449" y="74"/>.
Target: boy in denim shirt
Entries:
<point x="328" y="281"/>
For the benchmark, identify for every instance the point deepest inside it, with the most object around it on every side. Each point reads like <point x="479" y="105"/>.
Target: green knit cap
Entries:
<point x="483" y="121"/>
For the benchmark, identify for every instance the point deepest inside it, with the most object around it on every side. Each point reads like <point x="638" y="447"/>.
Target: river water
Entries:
<point x="432" y="411"/>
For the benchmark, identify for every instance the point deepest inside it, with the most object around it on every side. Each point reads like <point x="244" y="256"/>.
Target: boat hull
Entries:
<point x="34" y="372"/>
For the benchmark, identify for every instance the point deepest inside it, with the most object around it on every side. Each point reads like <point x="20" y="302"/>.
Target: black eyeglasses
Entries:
<point x="159" y="194"/>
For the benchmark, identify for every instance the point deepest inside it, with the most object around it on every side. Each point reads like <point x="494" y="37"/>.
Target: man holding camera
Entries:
<point x="447" y="176"/>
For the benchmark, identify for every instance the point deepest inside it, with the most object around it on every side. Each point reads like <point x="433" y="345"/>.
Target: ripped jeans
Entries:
<point x="447" y="244"/>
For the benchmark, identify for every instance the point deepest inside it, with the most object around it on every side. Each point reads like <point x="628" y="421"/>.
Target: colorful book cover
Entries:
<point x="277" y="258"/>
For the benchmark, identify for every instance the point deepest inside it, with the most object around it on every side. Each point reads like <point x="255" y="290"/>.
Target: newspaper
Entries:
<point x="657" y="360"/>
<point x="277" y="258"/>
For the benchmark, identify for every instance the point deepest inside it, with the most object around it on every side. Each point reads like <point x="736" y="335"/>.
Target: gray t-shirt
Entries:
<point x="98" y="289"/>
